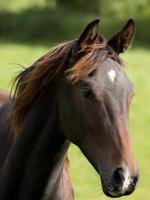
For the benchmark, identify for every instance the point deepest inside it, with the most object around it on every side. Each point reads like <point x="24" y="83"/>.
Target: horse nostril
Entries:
<point x="135" y="180"/>
<point x="118" y="177"/>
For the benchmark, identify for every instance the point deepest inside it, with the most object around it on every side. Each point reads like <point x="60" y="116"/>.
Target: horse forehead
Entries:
<point x="110" y="71"/>
<point x="109" y="77"/>
<point x="109" y="65"/>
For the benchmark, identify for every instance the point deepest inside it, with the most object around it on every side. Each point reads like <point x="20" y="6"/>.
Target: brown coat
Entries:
<point x="4" y="96"/>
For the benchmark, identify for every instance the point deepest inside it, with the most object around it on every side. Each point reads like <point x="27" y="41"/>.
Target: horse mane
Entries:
<point x="30" y="83"/>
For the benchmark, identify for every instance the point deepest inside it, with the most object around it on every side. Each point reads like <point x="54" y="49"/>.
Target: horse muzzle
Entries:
<point x="121" y="183"/>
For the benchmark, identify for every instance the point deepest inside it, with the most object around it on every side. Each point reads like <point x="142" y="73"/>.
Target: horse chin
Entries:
<point x="110" y="193"/>
<point x="115" y="195"/>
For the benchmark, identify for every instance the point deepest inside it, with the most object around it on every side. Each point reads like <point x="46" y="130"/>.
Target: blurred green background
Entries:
<point x="28" y="29"/>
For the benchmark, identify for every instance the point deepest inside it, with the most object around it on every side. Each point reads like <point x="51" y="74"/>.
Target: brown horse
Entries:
<point x="77" y="93"/>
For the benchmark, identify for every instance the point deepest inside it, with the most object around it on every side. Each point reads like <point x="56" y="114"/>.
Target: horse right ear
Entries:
<point x="123" y="39"/>
<point x="89" y="35"/>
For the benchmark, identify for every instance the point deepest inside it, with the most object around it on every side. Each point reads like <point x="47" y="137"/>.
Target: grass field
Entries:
<point x="85" y="180"/>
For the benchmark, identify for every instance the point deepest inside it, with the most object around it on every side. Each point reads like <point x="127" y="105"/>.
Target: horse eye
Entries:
<point x="87" y="93"/>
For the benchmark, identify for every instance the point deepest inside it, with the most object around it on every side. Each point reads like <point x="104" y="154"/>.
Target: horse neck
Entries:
<point x="59" y="185"/>
<point x="38" y="150"/>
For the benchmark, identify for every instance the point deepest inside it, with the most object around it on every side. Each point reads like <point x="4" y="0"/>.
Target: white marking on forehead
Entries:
<point x="112" y="75"/>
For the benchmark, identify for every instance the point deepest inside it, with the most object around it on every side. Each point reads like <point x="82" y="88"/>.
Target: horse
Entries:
<point x="77" y="93"/>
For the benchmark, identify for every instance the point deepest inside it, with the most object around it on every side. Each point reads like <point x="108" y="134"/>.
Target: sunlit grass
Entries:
<point x="12" y="56"/>
<point x="85" y="180"/>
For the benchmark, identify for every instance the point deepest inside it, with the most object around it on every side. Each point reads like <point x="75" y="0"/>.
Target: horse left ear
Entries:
<point x="123" y="39"/>
<point x="89" y="35"/>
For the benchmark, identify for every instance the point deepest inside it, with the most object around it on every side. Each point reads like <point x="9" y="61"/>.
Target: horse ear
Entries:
<point x="89" y="35"/>
<point x="123" y="39"/>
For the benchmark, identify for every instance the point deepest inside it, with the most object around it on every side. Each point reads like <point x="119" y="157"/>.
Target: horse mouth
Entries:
<point x="115" y="192"/>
